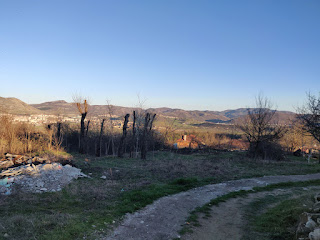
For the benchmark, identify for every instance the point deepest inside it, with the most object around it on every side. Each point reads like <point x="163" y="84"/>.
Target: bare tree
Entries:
<point x="295" y="138"/>
<point x="98" y="152"/>
<point x="82" y="106"/>
<point x="261" y="129"/>
<point x="170" y="127"/>
<point x="111" y="141"/>
<point x="50" y="134"/>
<point x="145" y="135"/>
<point x="139" y="123"/>
<point x="133" y="143"/>
<point x="309" y="115"/>
<point x="124" y="134"/>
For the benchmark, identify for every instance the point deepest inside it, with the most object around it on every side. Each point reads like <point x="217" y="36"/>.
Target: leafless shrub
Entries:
<point x="309" y="116"/>
<point x="262" y="129"/>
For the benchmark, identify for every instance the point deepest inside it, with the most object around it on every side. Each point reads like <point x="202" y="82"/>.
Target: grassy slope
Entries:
<point x="89" y="206"/>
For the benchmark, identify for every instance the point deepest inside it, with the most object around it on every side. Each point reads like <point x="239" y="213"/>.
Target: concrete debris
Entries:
<point x="48" y="177"/>
<point x="10" y="160"/>
<point x="315" y="235"/>
<point x="309" y="224"/>
<point x="5" y="185"/>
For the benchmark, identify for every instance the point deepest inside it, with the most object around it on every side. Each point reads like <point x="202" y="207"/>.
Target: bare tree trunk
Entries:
<point x="144" y="137"/>
<point x="58" y="130"/>
<point x="107" y="148"/>
<point x="83" y="112"/>
<point x="87" y="128"/>
<point x="98" y="152"/>
<point x="50" y="132"/>
<point x="112" y="145"/>
<point x="124" y="134"/>
<point x="110" y="111"/>
<point x="150" y="133"/>
<point x="58" y="136"/>
<point x="82" y="136"/>
<point x="151" y="122"/>
<point x="133" y="134"/>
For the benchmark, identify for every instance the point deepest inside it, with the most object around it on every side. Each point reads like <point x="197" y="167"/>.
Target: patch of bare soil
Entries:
<point x="228" y="220"/>
<point x="163" y="219"/>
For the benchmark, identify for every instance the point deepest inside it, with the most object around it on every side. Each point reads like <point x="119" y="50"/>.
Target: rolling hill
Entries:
<point x="16" y="106"/>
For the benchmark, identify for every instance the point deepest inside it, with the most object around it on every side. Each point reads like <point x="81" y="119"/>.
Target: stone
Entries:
<point x="40" y="184"/>
<point x="302" y="229"/>
<point x="315" y="235"/>
<point x="43" y="189"/>
<point x="316" y="205"/>
<point x="311" y="224"/>
<point x="103" y="177"/>
<point x="317" y="198"/>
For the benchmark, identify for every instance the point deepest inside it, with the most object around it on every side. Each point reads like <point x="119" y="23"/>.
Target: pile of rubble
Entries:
<point x="309" y="225"/>
<point x="46" y="177"/>
<point x="10" y="160"/>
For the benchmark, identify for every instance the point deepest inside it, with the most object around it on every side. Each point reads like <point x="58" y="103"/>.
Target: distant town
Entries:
<point x="40" y="119"/>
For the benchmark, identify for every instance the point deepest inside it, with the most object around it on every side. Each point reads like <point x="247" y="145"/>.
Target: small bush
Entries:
<point x="266" y="150"/>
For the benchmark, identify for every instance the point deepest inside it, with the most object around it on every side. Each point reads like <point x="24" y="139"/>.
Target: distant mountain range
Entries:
<point x="16" y="106"/>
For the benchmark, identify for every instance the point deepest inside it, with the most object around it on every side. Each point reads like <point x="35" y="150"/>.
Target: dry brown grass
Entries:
<point x="24" y="138"/>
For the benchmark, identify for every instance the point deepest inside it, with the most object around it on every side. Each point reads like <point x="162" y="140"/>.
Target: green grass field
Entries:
<point x="89" y="207"/>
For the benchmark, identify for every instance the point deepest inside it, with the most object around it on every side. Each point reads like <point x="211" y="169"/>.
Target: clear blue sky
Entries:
<point x="212" y="55"/>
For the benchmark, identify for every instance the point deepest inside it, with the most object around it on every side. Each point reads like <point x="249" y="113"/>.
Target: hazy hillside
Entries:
<point x="16" y="106"/>
<point x="196" y="115"/>
<point x="65" y="108"/>
<point x="56" y="107"/>
<point x="235" y="113"/>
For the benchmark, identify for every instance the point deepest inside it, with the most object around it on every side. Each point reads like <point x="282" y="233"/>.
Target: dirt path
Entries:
<point x="228" y="220"/>
<point x="163" y="219"/>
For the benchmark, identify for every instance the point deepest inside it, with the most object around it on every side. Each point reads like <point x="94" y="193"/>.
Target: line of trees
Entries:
<point x="135" y="143"/>
<point x="260" y="128"/>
